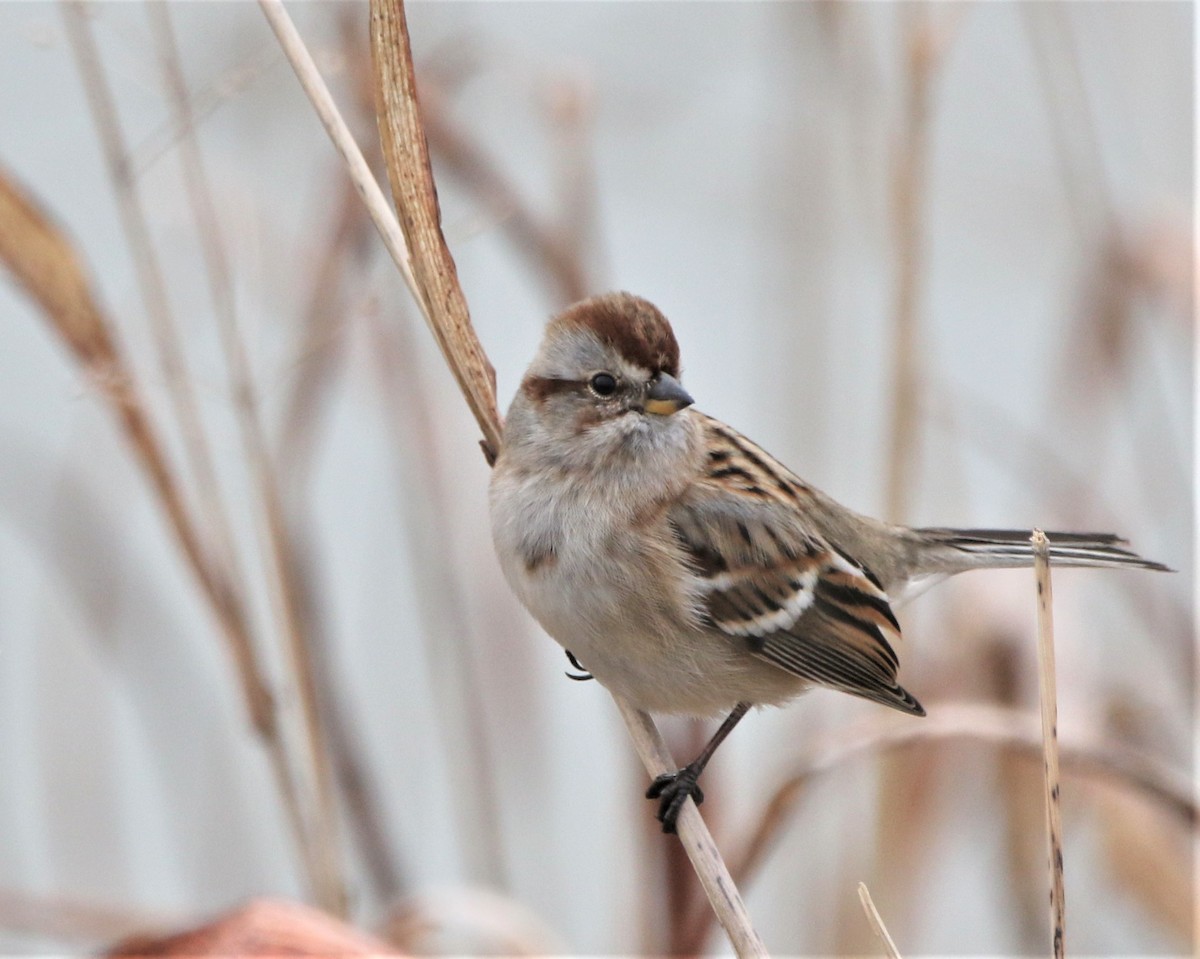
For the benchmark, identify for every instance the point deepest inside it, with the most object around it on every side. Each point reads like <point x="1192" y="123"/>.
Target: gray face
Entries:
<point x="590" y="401"/>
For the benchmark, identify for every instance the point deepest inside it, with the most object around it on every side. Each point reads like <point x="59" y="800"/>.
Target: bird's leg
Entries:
<point x="673" y="789"/>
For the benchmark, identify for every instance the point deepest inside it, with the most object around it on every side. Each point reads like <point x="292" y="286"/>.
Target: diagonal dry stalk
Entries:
<point x="406" y="153"/>
<point x="313" y="768"/>
<point x="1049" y="699"/>
<point x="151" y="282"/>
<point x="876" y="921"/>
<point x="434" y="283"/>
<point x="44" y="264"/>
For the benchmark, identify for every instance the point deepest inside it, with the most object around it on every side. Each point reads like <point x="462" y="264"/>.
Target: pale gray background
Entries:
<point x="742" y="163"/>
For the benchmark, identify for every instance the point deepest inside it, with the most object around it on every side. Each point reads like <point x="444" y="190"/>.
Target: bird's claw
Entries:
<point x="672" y="791"/>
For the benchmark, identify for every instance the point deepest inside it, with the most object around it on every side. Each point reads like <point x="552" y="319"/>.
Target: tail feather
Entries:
<point x="964" y="549"/>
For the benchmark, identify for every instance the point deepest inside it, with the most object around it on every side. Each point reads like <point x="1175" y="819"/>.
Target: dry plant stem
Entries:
<point x="318" y="364"/>
<point x="908" y="199"/>
<point x="313" y="768"/>
<point x="377" y="206"/>
<point x="684" y="898"/>
<point x="876" y="921"/>
<point x="408" y="167"/>
<point x="452" y="331"/>
<point x="219" y="571"/>
<point x="151" y="282"/>
<point x="710" y="868"/>
<point x="921" y="45"/>
<point x="441" y="603"/>
<point x="45" y="265"/>
<point x="1049" y="700"/>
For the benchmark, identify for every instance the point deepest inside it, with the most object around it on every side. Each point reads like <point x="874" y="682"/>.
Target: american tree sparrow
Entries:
<point x="688" y="570"/>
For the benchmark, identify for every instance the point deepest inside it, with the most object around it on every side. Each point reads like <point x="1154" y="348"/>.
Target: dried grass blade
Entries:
<point x="1049" y="701"/>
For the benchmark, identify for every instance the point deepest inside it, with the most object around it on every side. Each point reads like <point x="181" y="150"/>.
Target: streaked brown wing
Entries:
<point x="772" y="583"/>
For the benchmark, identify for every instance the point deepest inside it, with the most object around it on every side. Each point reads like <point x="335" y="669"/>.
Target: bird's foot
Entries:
<point x="672" y="791"/>
<point x="583" y="675"/>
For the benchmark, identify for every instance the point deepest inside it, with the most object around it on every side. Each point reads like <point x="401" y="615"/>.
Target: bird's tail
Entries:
<point x="962" y="549"/>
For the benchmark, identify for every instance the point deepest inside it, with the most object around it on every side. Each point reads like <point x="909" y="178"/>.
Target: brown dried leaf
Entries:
<point x="44" y="263"/>
<point x="407" y="157"/>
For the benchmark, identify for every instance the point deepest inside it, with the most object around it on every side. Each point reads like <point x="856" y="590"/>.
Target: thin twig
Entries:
<point x="706" y="859"/>
<point x="876" y="921"/>
<point x="447" y="316"/>
<point x="356" y="165"/>
<point x="1049" y="700"/>
<point x="314" y="770"/>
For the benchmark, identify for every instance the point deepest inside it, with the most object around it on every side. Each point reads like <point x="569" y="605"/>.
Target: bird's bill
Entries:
<point x="666" y="396"/>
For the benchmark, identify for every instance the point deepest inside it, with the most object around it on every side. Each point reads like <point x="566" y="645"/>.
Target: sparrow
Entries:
<point x="686" y="568"/>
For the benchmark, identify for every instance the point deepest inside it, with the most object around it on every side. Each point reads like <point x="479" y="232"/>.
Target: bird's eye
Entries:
<point x="603" y="384"/>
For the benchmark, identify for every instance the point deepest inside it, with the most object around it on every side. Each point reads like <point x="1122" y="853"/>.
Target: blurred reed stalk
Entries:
<point x="1048" y="696"/>
<point x="151" y="281"/>
<point x="432" y="277"/>
<point x="472" y="357"/>
<point x="923" y="47"/>
<point x="925" y="34"/>
<point x="876" y="921"/>
<point x="441" y="603"/>
<point x="340" y="268"/>
<point x="312" y="767"/>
